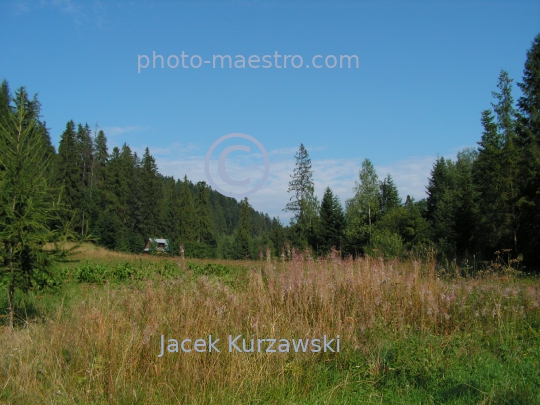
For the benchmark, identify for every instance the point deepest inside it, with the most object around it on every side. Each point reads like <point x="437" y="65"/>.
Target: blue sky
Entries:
<point x="426" y="71"/>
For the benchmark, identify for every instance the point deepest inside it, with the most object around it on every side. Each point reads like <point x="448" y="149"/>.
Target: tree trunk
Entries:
<point x="11" y="290"/>
<point x="11" y="294"/>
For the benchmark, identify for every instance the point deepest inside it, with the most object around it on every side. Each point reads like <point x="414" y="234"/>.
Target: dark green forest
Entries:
<point x="482" y="205"/>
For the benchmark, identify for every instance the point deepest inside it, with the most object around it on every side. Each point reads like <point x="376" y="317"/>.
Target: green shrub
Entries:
<point x="211" y="269"/>
<point x="386" y="244"/>
<point x="92" y="273"/>
<point x="124" y="271"/>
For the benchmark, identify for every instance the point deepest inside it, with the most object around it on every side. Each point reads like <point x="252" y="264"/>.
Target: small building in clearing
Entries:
<point x="160" y="245"/>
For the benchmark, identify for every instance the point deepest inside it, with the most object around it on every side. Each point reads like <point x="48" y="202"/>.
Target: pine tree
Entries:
<point x="277" y="236"/>
<point x="303" y="203"/>
<point x="466" y="209"/>
<point x="85" y="162"/>
<point x="242" y="241"/>
<point x="5" y="103"/>
<point x="204" y="226"/>
<point x="504" y="110"/>
<point x="332" y="222"/>
<point x="389" y="195"/>
<point x="151" y="196"/>
<point x="27" y="204"/>
<point x="528" y="139"/>
<point x="68" y="171"/>
<point x="185" y="214"/>
<point x="496" y="176"/>
<point x="441" y="206"/>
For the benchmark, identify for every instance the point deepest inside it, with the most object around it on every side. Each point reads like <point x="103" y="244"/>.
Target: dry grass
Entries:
<point x="103" y="347"/>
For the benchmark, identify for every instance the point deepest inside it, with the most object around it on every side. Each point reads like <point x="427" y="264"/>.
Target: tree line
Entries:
<point x="484" y="201"/>
<point x="479" y="205"/>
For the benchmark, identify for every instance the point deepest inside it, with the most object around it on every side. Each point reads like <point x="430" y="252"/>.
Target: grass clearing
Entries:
<point x="407" y="335"/>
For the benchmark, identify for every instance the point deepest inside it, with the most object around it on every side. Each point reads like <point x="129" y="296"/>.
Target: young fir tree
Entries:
<point x="303" y="203"/>
<point x="332" y="223"/>
<point x="27" y="205"/>
<point x="242" y="240"/>
<point x="528" y="139"/>
<point x="389" y="195"/>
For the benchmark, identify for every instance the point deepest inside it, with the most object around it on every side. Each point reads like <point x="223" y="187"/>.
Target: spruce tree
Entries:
<point x="332" y="223"/>
<point x="204" y="226"/>
<point x="528" y="139"/>
<point x="27" y="205"/>
<point x="303" y="203"/>
<point x="151" y="192"/>
<point x="69" y="173"/>
<point x="277" y="236"/>
<point x="185" y="213"/>
<point x="242" y="240"/>
<point x="389" y="195"/>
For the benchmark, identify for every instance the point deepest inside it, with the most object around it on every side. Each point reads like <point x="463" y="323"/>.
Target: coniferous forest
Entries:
<point x="480" y="206"/>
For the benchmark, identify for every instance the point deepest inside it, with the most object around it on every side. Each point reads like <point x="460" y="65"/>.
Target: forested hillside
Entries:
<point x="119" y="199"/>
<point x="483" y="205"/>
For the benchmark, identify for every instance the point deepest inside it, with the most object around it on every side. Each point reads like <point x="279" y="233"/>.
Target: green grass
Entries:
<point x="93" y="341"/>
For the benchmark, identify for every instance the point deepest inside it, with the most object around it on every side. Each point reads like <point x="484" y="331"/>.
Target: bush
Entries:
<point x="211" y="269"/>
<point x="386" y="244"/>
<point x="124" y="271"/>
<point x="92" y="273"/>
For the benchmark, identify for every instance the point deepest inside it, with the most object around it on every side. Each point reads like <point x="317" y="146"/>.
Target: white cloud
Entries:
<point x="20" y="7"/>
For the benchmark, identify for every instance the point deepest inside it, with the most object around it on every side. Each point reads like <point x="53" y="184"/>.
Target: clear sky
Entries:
<point x="426" y="71"/>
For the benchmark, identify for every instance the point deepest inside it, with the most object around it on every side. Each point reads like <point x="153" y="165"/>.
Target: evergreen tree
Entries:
<point x="185" y="213"/>
<point x="505" y="112"/>
<point x="204" y="226"/>
<point x="332" y="222"/>
<point x="151" y="193"/>
<point x="303" y="203"/>
<point x="466" y="209"/>
<point x="68" y="171"/>
<point x="441" y="206"/>
<point x="486" y="174"/>
<point x="242" y="241"/>
<point x="496" y="174"/>
<point x="277" y="236"/>
<point x="528" y="140"/>
<point x="5" y="103"/>
<point x="27" y="204"/>
<point x="85" y="161"/>
<point x="389" y="195"/>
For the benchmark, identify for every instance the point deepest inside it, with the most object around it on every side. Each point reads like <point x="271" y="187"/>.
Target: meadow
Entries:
<point x="410" y="332"/>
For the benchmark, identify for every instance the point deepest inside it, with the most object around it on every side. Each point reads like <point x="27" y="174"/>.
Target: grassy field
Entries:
<point x="408" y="334"/>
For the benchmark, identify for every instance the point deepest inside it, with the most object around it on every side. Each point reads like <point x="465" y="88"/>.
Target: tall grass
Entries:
<point x="407" y="336"/>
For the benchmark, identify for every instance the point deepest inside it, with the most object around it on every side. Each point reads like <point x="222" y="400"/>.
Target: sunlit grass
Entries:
<point x="407" y="335"/>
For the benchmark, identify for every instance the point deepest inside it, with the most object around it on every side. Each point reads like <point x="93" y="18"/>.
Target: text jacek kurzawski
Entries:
<point x="243" y="345"/>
